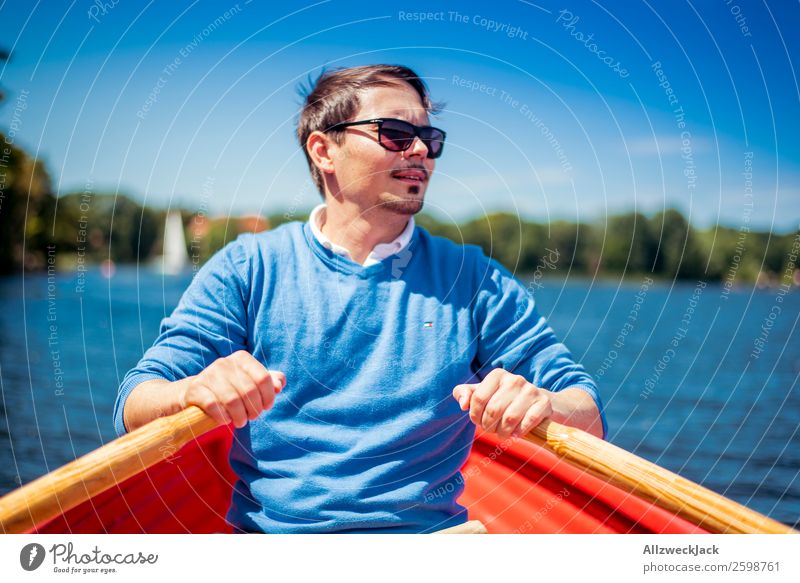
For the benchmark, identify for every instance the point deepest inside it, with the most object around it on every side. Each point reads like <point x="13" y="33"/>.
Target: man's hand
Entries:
<point x="509" y="405"/>
<point x="505" y="403"/>
<point x="233" y="389"/>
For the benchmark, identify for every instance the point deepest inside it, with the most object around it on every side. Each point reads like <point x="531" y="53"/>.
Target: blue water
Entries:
<point x="682" y="383"/>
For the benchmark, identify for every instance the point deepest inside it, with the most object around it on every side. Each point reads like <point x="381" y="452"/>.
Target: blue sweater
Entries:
<point x="366" y="434"/>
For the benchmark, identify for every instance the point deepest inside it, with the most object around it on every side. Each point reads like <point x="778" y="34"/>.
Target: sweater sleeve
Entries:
<point x="512" y="335"/>
<point x="209" y="322"/>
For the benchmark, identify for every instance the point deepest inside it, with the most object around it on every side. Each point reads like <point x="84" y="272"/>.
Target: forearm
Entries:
<point x="575" y="407"/>
<point x="152" y="399"/>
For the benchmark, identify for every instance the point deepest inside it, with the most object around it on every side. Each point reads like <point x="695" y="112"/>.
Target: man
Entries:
<point x="378" y="337"/>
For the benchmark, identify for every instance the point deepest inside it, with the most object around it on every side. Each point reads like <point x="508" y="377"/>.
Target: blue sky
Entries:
<point x="538" y="123"/>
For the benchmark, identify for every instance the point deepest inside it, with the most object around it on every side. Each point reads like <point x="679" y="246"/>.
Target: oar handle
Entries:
<point x="647" y="480"/>
<point x="63" y="489"/>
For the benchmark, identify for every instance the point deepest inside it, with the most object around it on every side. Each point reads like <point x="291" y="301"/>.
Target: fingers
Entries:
<point x="504" y="403"/>
<point x="537" y="413"/>
<point x="256" y="385"/>
<point x="529" y="403"/>
<point x="222" y="382"/>
<point x="207" y="400"/>
<point x="496" y="410"/>
<point x="512" y="415"/>
<point x="483" y="394"/>
<point x="235" y="389"/>
<point x="268" y="383"/>
<point x="248" y="391"/>
<point x="463" y="394"/>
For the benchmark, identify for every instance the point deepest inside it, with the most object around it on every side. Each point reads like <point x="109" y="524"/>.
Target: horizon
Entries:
<point x="302" y="213"/>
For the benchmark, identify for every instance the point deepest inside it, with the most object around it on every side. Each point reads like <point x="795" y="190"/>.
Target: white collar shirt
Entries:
<point x="380" y="252"/>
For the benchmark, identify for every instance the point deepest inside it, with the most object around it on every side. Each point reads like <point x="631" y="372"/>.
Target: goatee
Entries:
<point x="405" y="206"/>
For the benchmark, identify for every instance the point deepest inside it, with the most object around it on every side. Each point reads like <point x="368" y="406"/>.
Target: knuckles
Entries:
<point x="530" y="392"/>
<point x="261" y="378"/>
<point x="497" y="374"/>
<point x="491" y="412"/>
<point x="479" y="400"/>
<point x="222" y="388"/>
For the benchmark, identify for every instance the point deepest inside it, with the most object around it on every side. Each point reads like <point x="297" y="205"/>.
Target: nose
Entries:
<point x="417" y="149"/>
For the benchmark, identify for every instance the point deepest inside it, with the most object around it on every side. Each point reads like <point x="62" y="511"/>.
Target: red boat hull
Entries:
<point x="511" y="487"/>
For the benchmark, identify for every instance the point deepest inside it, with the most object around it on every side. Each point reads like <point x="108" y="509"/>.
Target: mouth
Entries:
<point x="410" y="176"/>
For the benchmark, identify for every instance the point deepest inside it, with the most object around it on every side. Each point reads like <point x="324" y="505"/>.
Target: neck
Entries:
<point x="359" y="231"/>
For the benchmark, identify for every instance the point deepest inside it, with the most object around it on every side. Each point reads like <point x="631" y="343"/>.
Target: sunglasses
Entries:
<point x="397" y="135"/>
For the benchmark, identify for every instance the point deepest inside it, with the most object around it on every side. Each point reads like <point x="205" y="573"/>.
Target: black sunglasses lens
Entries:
<point x="397" y="135"/>
<point x="434" y="140"/>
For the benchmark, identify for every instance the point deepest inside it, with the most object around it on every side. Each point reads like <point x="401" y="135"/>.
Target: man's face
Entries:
<point x="373" y="176"/>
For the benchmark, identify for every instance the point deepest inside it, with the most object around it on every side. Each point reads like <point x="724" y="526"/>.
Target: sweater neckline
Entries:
<point x="343" y="264"/>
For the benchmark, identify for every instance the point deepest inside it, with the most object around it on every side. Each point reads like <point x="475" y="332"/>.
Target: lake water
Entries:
<point x="697" y="380"/>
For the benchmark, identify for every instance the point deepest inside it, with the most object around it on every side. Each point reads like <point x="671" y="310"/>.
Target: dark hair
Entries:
<point x="334" y="98"/>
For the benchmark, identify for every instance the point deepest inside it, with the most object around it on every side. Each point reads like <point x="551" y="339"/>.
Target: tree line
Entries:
<point x="663" y="245"/>
<point x="114" y="226"/>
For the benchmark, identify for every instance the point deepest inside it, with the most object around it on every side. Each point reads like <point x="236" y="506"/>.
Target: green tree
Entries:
<point x="679" y="254"/>
<point x="570" y="241"/>
<point x="107" y="226"/>
<point x="25" y="196"/>
<point x="500" y="235"/>
<point x="629" y="244"/>
<point x="25" y="193"/>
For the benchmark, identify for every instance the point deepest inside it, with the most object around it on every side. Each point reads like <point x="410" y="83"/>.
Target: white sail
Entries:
<point x="175" y="258"/>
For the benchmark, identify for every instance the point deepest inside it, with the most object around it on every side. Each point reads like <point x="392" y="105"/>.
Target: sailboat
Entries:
<point x="175" y="258"/>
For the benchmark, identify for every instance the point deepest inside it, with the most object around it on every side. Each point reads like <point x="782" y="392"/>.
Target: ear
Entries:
<point x="321" y="148"/>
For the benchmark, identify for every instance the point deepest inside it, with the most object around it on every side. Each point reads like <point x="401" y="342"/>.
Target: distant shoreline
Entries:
<point x="549" y="279"/>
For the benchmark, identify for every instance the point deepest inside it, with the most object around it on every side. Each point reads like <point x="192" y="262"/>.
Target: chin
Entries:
<point x="409" y="204"/>
<point x="405" y="207"/>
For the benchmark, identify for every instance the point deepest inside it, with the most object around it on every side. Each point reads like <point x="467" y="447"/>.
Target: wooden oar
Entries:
<point x="105" y="467"/>
<point x="78" y="481"/>
<point x="647" y="480"/>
